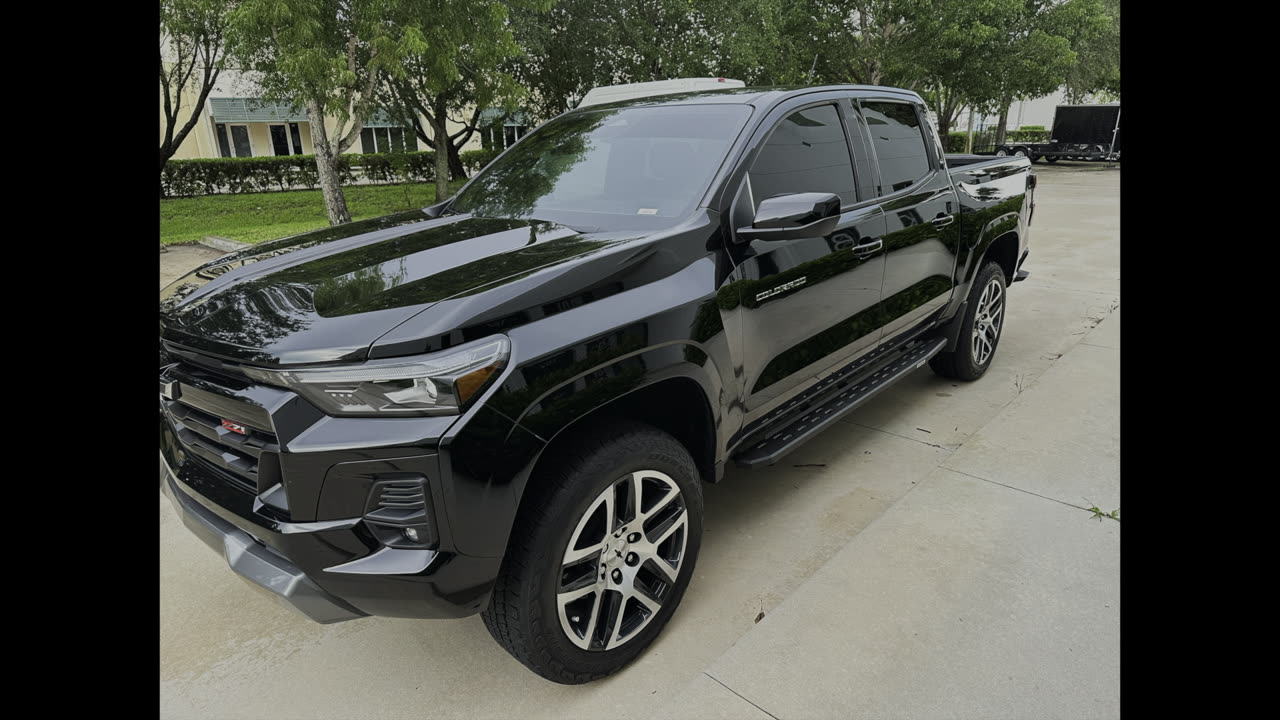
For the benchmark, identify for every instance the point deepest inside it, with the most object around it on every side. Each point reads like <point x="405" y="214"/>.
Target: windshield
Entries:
<point x="617" y="169"/>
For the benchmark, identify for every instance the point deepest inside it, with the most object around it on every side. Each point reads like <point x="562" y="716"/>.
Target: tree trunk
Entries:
<point x="456" y="169"/>
<point x="1004" y="122"/>
<point x="440" y="138"/>
<point x="335" y="201"/>
<point x="945" y="120"/>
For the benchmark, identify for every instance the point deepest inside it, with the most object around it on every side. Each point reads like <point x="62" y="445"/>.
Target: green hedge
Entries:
<point x="986" y="139"/>
<point x="188" y="178"/>
<point x="475" y="160"/>
<point x="1027" y="134"/>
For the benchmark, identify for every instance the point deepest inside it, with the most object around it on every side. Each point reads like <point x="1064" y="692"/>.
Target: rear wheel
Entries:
<point x="1051" y="158"/>
<point x="1001" y="152"/>
<point x="601" y="555"/>
<point x="1019" y="152"/>
<point x="980" y="328"/>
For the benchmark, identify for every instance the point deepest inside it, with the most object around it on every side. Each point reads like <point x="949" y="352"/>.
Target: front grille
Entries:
<point x="249" y="460"/>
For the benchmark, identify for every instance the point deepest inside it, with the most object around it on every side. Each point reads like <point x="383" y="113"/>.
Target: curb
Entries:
<point x="221" y="243"/>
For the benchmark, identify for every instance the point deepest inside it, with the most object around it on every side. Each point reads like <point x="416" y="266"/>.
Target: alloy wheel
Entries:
<point x="622" y="560"/>
<point x="987" y="321"/>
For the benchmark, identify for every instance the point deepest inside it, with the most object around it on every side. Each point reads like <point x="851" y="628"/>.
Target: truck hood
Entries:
<point x="326" y="296"/>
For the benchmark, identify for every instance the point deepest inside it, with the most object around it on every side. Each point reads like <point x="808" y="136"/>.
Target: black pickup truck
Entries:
<point x="506" y="403"/>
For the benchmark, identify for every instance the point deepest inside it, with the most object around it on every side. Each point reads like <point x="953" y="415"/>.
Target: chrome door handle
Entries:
<point x="867" y="248"/>
<point x="943" y="220"/>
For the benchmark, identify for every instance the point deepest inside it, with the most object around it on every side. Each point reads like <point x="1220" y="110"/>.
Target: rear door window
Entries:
<point x="898" y="137"/>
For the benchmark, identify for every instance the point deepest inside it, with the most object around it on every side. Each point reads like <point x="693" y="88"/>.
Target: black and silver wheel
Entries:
<point x="601" y="553"/>
<point x="1020" y="152"/>
<point x="622" y="560"/>
<point x="1001" y="152"/>
<point x="979" y="330"/>
<point x="988" y="320"/>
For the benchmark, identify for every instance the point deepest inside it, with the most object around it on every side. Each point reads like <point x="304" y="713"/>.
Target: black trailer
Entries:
<point x="1080" y="132"/>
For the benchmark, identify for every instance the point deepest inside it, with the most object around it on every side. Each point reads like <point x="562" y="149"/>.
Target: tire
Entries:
<point x="1051" y="159"/>
<point x="1001" y="152"/>
<point x="967" y="362"/>
<point x="1020" y="152"/>
<point x="570" y="505"/>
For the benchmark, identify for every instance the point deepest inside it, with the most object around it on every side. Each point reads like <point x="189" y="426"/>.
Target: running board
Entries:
<point x="772" y="448"/>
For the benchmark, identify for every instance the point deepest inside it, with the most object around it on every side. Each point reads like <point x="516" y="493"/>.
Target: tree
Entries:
<point x="868" y="41"/>
<point x="1097" y="45"/>
<point x="192" y="53"/>
<point x="581" y="44"/>
<point x="329" y="57"/>
<point x="470" y="40"/>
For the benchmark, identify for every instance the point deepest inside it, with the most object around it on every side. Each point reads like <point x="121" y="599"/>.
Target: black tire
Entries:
<point x="961" y="364"/>
<point x="523" y="614"/>
<point x="1051" y="158"/>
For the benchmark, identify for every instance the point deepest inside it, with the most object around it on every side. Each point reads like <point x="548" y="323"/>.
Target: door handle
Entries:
<point x="943" y="220"/>
<point x="867" y="248"/>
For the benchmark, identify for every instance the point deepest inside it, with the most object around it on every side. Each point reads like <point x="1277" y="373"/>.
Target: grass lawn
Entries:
<point x="256" y="217"/>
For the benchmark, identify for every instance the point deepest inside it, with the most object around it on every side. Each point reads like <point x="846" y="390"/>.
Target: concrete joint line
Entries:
<point x="1043" y="497"/>
<point x="735" y="692"/>
<point x="904" y="437"/>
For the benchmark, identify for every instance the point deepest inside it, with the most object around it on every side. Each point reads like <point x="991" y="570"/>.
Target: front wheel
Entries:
<point x="601" y="554"/>
<point x="980" y="329"/>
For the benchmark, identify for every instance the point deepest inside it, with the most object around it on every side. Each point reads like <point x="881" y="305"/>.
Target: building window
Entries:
<point x="387" y="139"/>
<point x="233" y="140"/>
<point x="501" y="137"/>
<point x="286" y="140"/>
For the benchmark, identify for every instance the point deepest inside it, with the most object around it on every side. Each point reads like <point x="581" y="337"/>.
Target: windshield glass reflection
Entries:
<point x="609" y="169"/>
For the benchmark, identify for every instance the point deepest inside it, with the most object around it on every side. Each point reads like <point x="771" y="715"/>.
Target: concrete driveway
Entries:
<point x="929" y="557"/>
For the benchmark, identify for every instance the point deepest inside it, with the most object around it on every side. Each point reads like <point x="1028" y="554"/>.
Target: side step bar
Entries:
<point x="774" y="447"/>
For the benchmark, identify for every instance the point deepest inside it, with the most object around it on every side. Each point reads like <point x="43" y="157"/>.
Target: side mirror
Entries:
<point x="433" y="211"/>
<point x="792" y="216"/>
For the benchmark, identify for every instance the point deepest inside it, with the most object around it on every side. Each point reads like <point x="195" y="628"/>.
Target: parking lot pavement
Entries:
<point x="905" y="563"/>
<point x="178" y="260"/>
<point x="987" y="591"/>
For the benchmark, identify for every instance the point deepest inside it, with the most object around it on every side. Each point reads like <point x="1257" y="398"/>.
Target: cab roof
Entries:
<point x="755" y="96"/>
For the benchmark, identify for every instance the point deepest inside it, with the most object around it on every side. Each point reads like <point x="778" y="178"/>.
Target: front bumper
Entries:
<point x="255" y="562"/>
<point x="328" y="571"/>
<point x="312" y="507"/>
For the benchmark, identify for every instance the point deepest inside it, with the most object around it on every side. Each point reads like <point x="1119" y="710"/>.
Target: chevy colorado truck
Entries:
<point x="506" y="403"/>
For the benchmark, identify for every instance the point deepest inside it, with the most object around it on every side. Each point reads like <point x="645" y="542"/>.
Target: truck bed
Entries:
<point x="974" y="169"/>
<point x="962" y="160"/>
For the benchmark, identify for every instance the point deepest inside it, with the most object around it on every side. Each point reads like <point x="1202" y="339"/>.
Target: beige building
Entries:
<point x="234" y="123"/>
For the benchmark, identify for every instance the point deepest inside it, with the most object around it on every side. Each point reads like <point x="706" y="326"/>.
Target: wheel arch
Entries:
<point x="677" y="405"/>
<point x="1004" y="250"/>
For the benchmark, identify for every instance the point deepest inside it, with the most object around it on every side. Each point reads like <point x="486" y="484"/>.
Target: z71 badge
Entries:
<point x="235" y="427"/>
<point x="781" y="289"/>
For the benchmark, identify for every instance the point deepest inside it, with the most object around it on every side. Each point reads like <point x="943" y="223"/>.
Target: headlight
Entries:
<point x="436" y="384"/>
